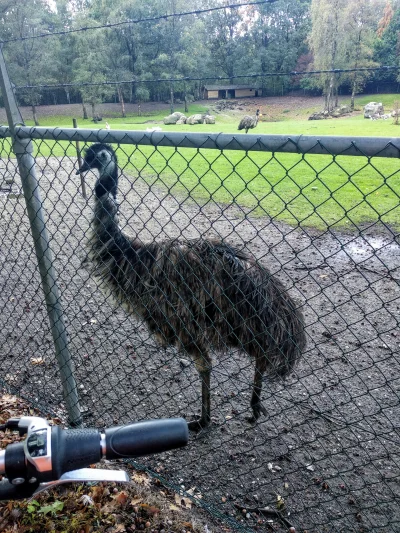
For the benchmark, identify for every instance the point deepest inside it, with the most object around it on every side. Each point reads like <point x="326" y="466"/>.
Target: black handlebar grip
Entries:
<point x="8" y="491"/>
<point x="73" y="449"/>
<point x="15" y="462"/>
<point x="146" y="437"/>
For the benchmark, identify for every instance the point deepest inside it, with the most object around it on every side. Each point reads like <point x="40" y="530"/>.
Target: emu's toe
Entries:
<point x="258" y="408"/>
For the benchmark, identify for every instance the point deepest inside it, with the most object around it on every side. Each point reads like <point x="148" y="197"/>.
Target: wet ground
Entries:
<point x="328" y="452"/>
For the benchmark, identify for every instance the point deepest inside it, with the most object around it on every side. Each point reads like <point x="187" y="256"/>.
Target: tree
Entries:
<point x="91" y="70"/>
<point x="28" y="60"/>
<point x="359" y="34"/>
<point x="388" y="13"/>
<point x="225" y="39"/>
<point x="327" y="45"/>
<point x="387" y="48"/>
<point x="279" y="32"/>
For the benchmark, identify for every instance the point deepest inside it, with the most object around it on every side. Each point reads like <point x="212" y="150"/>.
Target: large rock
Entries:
<point x="209" y="119"/>
<point x="319" y="116"/>
<point x="342" y="110"/>
<point x="195" y="119"/>
<point x="173" y="119"/>
<point x="373" y="109"/>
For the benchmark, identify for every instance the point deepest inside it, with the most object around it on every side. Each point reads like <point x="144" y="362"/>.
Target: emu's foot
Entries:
<point x="258" y="408"/>
<point x="199" y="423"/>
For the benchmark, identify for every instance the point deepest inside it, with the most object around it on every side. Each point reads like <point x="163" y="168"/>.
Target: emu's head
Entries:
<point x="258" y="114"/>
<point x="102" y="157"/>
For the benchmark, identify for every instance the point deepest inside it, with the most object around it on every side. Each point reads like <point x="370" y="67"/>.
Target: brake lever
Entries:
<point x="85" y="475"/>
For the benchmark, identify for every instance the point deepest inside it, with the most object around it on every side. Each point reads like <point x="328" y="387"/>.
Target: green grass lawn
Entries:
<point x="312" y="191"/>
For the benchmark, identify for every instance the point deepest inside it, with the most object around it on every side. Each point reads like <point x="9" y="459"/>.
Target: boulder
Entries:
<point x="209" y="119"/>
<point x="373" y="109"/>
<point x="342" y="110"/>
<point x="173" y="119"/>
<point x="195" y="119"/>
<point x="182" y="120"/>
<point x="319" y="116"/>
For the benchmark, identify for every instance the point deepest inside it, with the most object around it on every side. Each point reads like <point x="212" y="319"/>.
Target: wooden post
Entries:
<point x="78" y="155"/>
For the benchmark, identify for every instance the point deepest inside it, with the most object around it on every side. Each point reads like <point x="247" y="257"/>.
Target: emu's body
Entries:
<point x="195" y="294"/>
<point x="249" y="122"/>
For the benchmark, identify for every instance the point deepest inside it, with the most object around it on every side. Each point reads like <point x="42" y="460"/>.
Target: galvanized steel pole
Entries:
<point x="23" y="149"/>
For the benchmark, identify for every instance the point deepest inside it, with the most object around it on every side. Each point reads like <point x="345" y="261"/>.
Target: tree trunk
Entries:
<point x="68" y="96"/>
<point x="353" y="92"/>
<point x="328" y="94"/>
<point x="185" y="99"/>
<point x="172" y="99"/>
<point x="93" y="109"/>
<point x="35" y="115"/>
<point x="85" y="115"/>
<point x="336" y="90"/>
<point x="121" y="101"/>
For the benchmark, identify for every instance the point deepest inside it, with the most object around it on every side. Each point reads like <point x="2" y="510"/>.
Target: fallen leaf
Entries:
<point x="97" y="492"/>
<point x="108" y="508"/>
<point x="183" y="502"/>
<point x="141" y="479"/>
<point x="121" y="498"/>
<point x="120" y="528"/>
<point x="280" y="502"/>
<point x="37" y="360"/>
<point x="173" y="507"/>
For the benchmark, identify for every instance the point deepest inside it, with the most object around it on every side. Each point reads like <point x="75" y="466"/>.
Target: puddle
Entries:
<point x="372" y="249"/>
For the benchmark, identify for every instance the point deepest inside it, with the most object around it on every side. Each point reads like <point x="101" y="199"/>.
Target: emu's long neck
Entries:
<point x="105" y="220"/>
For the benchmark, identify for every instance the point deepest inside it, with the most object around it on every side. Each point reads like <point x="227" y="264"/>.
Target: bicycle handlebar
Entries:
<point x="49" y="453"/>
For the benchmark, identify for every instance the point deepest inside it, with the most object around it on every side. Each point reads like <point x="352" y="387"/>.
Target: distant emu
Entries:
<point x="249" y="122"/>
<point x="194" y="294"/>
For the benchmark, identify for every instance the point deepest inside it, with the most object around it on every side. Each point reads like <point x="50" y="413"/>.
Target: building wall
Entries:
<point x="242" y="93"/>
<point x="212" y="94"/>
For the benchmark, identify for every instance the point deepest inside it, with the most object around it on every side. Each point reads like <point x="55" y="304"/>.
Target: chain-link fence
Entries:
<point x="322" y="215"/>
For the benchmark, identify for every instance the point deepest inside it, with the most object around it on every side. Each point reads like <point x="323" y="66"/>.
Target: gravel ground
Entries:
<point x="327" y="453"/>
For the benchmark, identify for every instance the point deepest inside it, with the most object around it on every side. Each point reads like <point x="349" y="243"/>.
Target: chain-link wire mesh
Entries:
<point x="325" y="457"/>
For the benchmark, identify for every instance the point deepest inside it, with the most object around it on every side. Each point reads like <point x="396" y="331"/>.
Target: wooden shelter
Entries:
<point x="223" y="92"/>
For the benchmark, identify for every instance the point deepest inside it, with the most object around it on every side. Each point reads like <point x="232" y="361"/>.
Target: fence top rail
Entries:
<point x="300" y="144"/>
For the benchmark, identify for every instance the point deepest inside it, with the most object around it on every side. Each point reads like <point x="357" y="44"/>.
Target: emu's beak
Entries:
<point x="84" y="168"/>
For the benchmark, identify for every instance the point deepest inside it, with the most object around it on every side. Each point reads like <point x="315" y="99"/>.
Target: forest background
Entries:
<point x="128" y="62"/>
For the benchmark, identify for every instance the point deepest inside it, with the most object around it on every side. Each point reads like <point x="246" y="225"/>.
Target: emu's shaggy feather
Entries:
<point x="195" y="294"/>
<point x="248" y="122"/>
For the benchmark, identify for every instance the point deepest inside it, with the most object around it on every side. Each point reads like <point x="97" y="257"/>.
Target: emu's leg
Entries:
<point x="202" y="362"/>
<point x="255" y="402"/>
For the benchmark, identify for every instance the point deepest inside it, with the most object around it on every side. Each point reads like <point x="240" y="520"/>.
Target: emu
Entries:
<point x="249" y="122"/>
<point x="194" y="294"/>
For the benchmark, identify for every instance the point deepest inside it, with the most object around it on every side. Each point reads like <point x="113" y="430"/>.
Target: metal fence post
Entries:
<point x="78" y="155"/>
<point x="23" y="150"/>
